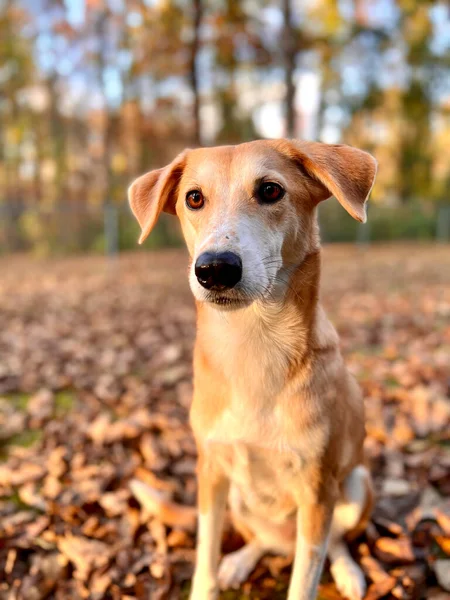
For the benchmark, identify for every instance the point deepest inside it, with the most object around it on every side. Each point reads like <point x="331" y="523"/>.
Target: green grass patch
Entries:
<point x="14" y="498"/>
<point x="391" y="382"/>
<point x="19" y="401"/>
<point x="24" y="439"/>
<point x="64" y="402"/>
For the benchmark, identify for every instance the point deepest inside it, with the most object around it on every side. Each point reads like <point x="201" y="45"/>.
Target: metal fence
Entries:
<point x="70" y="228"/>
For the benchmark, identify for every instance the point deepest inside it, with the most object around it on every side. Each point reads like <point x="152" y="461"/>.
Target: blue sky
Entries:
<point x="75" y="11"/>
<point x="54" y="53"/>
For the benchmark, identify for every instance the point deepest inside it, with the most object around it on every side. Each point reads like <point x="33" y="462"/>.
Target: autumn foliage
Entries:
<point x="95" y="386"/>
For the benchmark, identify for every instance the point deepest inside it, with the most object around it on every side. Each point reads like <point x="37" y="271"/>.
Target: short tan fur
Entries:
<point x="278" y="420"/>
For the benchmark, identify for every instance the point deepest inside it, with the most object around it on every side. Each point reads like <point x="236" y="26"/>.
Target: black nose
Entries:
<point x="218" y="271"/>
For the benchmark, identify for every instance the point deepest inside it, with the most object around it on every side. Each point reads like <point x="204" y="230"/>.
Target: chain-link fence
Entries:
<point x="70" y="228"/>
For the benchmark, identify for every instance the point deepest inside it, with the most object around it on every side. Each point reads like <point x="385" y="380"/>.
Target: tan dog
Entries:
<point x="278" y="420"/>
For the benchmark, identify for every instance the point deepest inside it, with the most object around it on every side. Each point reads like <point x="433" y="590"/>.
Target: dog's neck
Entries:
<point x="283" y="330"/>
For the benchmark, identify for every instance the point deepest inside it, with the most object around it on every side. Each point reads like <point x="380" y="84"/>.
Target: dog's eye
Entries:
<point x="270" y="192"/>
<point x="195" y="200"/>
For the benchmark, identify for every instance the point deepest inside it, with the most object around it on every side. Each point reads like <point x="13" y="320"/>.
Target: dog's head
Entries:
<point x="248" y="212"/>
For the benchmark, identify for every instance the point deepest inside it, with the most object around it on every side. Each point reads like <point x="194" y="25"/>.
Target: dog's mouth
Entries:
<point x="226" y="302"/>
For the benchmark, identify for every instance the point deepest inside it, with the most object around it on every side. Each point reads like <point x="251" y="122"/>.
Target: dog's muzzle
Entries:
<point x="218" y="271"/>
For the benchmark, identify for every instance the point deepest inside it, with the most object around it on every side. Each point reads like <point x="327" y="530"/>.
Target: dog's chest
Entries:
<point x="265" y="479"/>
<point x="264" y="456"/>
<point x="267" y="433"/>
<point x="254" y="355"/>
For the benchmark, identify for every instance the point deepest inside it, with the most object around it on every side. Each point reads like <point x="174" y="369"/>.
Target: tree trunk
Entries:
<point x="39" y="159"/>
<point x="288" y="45"/>
<point x="58" y="136"/>
<point x="101" y="30"/>
<point x="193" y="74"/>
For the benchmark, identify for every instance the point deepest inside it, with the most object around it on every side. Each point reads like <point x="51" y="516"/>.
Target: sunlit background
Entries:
<point x="96" y="336"/>
<point x="95" y="92"/>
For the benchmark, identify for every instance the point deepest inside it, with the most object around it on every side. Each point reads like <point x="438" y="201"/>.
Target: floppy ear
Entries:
<point x="341" y="171"/>
<point x="154" y="192"/>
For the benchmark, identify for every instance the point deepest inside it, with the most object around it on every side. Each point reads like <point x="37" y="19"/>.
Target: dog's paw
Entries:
<point x="235" y="568"/>
<point x="349" y="578"/>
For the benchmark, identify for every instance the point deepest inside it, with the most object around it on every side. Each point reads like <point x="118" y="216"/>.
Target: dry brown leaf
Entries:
<point x="443" y="520"/>
<point x="29" y="495"/>
<point x="411" y="581"/>
<point x="154" y="502"/>
<point x="40" y="407"/>
<point x="169" y="486"/>
<point x="114" y="503"/>
<point x="444" y="543"/>
<point x="394" y="551"/>
<point x="178" y="537"/>
<point x="26" y="472"/>
<point x="388" y="527"/>
<point x="12" y="421"/>
<point x="85" y="554"/>
<point x="380" y="589"/>
<point x="111" y="358"/>
<point x="159" y="566"/>
<point x="99" y="585"/>
<point x="373" y="569"/>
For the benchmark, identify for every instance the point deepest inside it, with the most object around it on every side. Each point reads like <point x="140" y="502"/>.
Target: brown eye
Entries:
<point x="194" y="199"/>
<point x="270" y="192"/>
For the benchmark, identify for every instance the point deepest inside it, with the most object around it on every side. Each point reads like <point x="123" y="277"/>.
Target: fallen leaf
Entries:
<point x="380" y="589"/>
<point x="85" y="554"/>
<point x="444" y="543"/>
<point x="394" y="551"/>
<point x="104" y="357"/>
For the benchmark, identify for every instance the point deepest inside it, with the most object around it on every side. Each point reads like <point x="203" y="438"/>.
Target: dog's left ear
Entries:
<point x="341" y="171"/>
<point x="154" y="192"/>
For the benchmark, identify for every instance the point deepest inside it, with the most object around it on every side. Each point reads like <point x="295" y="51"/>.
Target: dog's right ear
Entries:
<point x="154" y="192"/>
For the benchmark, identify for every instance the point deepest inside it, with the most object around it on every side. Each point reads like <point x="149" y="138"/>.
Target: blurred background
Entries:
<point x="96" y="344"/>
<point x="95" y="92"/>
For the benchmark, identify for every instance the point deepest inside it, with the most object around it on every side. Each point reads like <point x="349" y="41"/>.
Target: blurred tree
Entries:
<point x="91" y="98"/>
<point x="404" y="94"/>
<point x="197" y="10"/>
<point x="16" y="73"/>
<point x="105" y="55"/>
<point x="416" y="154"/>
<point x="289" y="59"/>
<point x="237" y="49"/>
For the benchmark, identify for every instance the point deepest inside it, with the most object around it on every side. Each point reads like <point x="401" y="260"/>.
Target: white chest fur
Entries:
<point x="259" y="436"/>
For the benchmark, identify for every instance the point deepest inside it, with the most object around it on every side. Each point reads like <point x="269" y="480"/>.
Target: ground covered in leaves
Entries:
<point x="94" y="394"/>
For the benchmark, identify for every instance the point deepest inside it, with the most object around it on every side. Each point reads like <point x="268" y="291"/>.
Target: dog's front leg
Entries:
<point x="212" y="499"/>
<point x="313" y="527"/>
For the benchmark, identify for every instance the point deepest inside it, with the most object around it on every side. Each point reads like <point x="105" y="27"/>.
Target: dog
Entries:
<point x="278" y="420"/>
